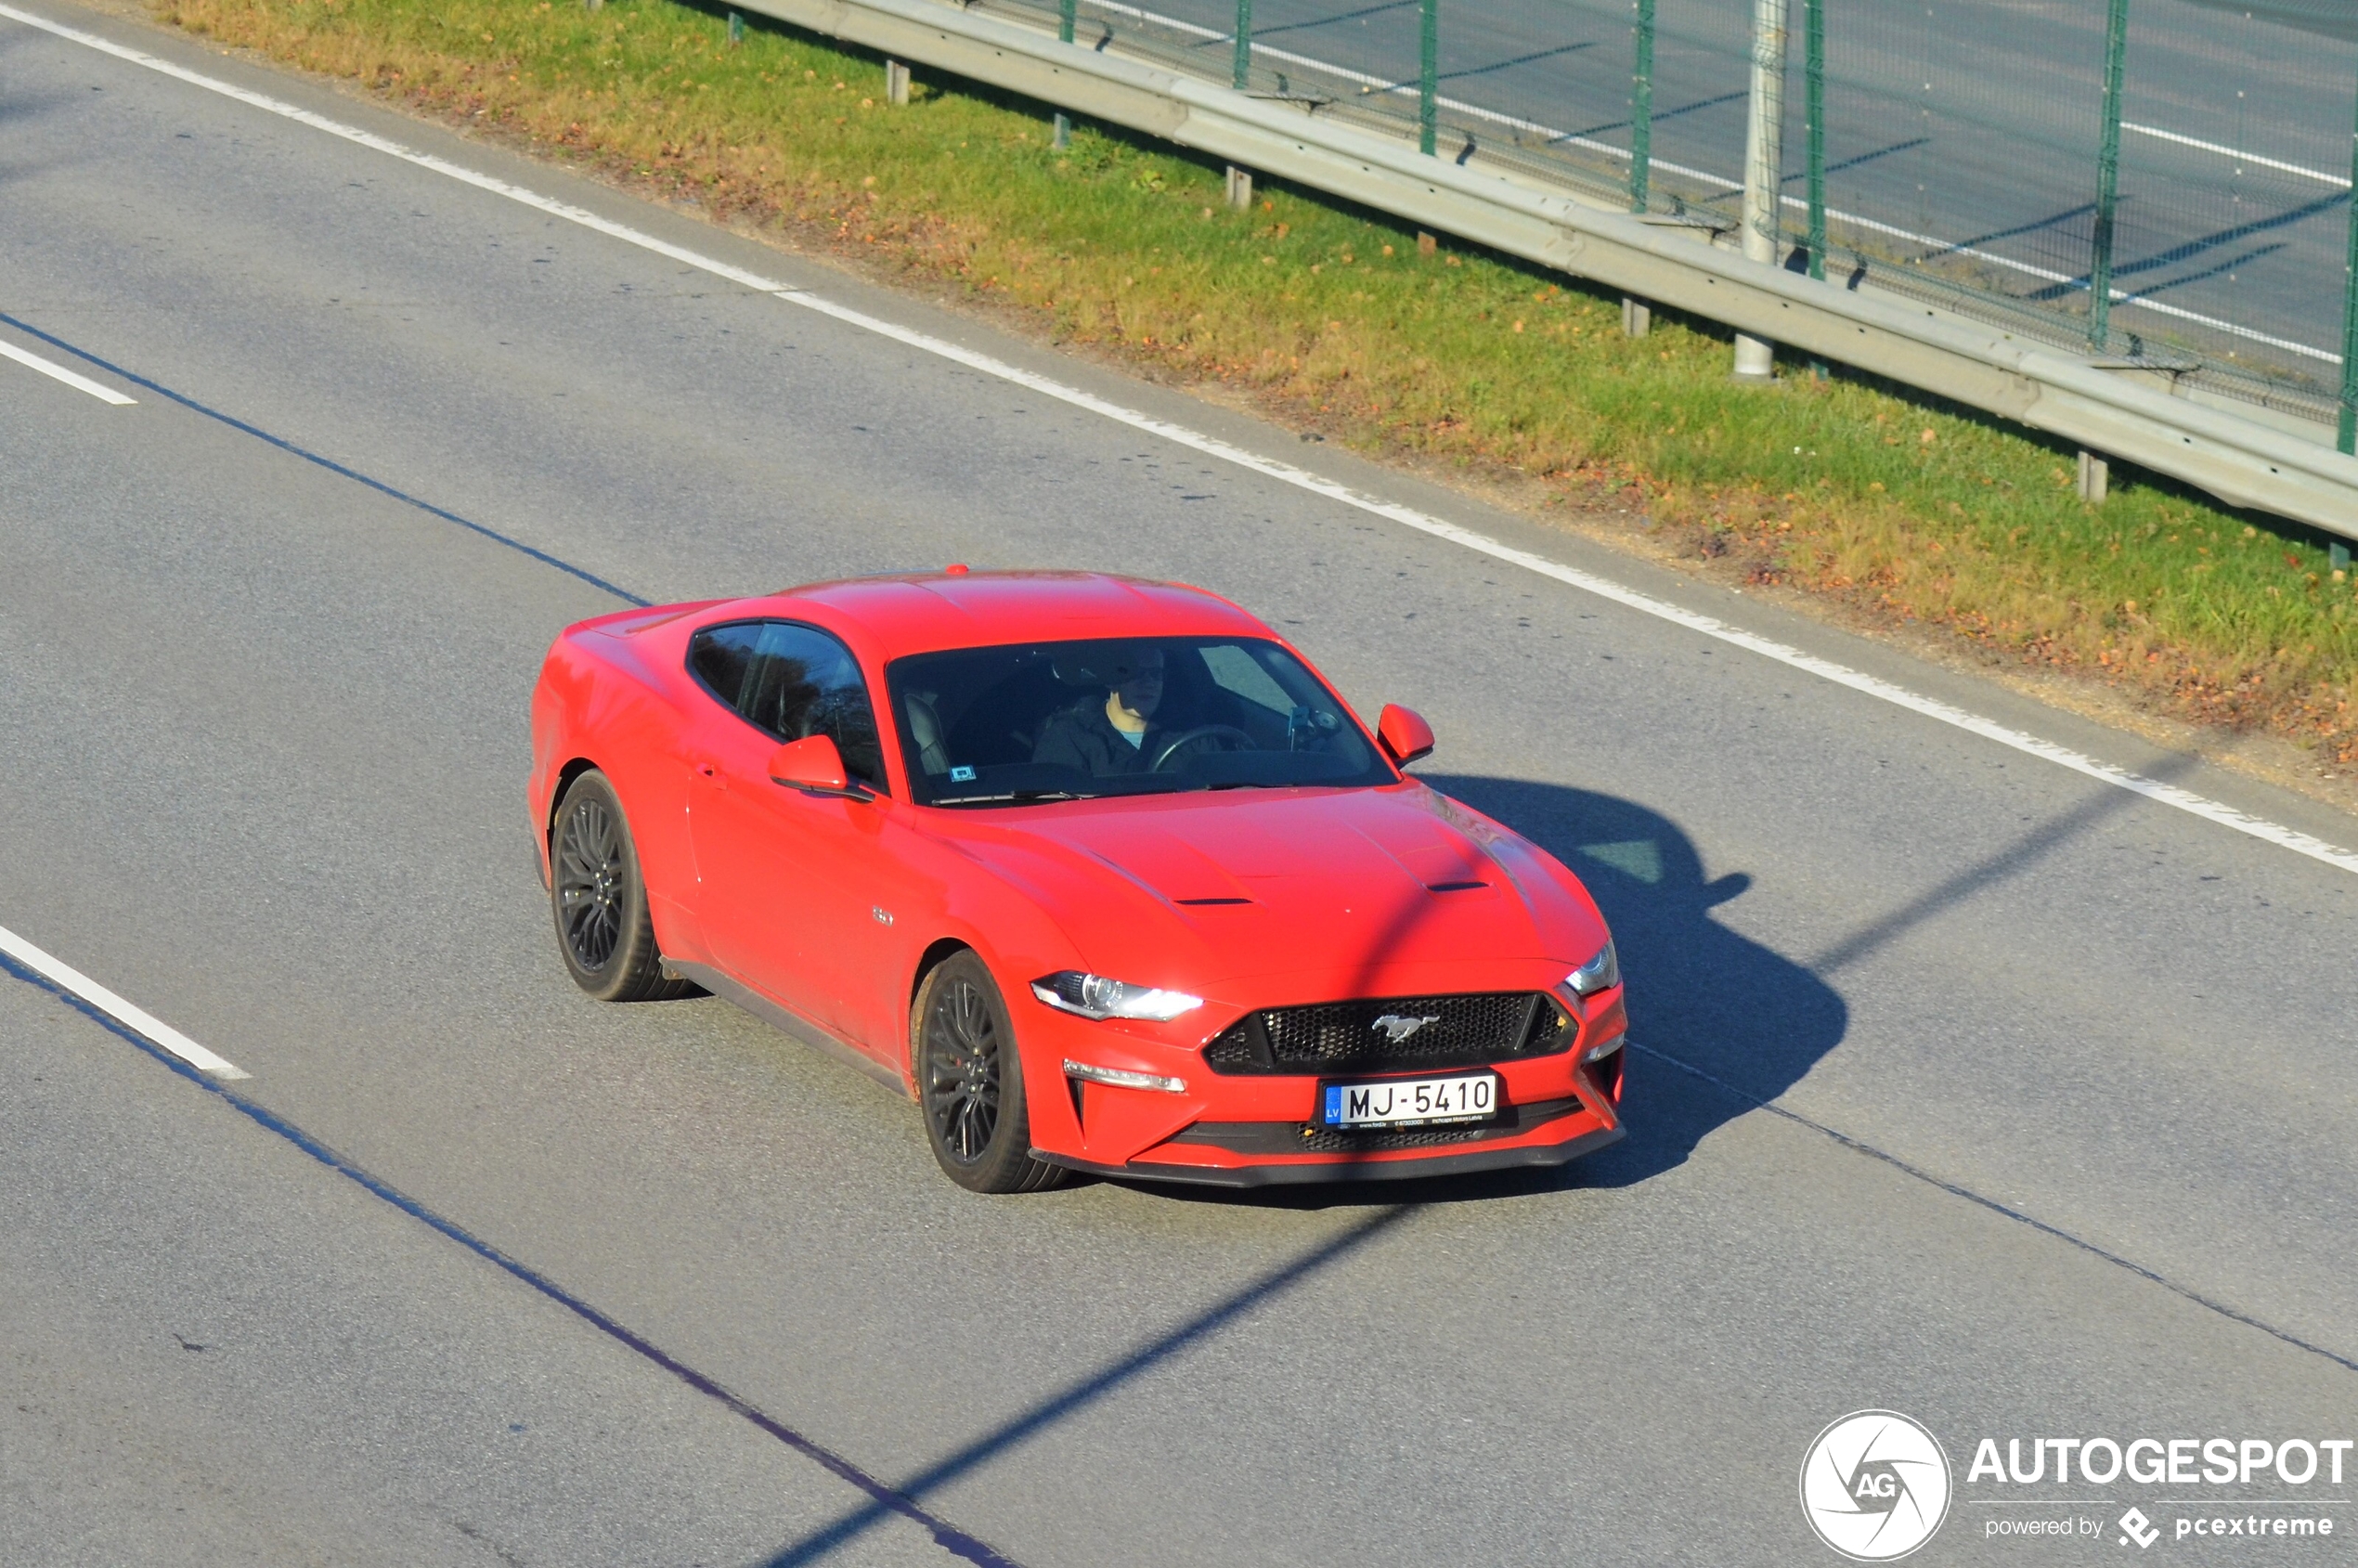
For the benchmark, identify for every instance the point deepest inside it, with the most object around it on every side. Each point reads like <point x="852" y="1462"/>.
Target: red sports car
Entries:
<point x="1099" y="871"/>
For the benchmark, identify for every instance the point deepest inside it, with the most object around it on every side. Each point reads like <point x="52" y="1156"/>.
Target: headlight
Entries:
<point x="1094" y="996"/>
<point x="1601" y="973"/>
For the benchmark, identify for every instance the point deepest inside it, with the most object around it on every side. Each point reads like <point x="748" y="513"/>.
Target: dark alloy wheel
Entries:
<point x="970" y="1082"/>
<point x="599" y="899"/>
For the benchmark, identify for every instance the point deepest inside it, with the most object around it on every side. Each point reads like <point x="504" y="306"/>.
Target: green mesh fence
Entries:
<point x="1962" y="143"/>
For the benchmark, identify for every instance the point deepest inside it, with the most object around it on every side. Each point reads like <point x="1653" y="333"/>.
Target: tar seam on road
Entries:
<point x="328" y="463"/>
<point x="1871" y="1151"/>
<point x="882" y="1500"/>
<point x="1056" y="1407"/>
<point x="1604" y="587"/>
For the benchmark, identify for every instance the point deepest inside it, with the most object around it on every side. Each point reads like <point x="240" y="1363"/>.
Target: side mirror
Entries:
<point x="1406" y="737"/>
<point x="813" y="764"/>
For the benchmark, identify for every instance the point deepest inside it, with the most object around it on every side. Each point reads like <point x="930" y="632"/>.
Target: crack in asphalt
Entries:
<point x="1859" y="1145"/>
<point x="328" y="463"/>
<point x="884" y="1501"/>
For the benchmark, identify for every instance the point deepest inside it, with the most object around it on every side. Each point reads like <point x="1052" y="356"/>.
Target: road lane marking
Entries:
<point x="58" y="373"/>
<point x="136" y="1019"/>
<point x="2340" y="182"/>
<point x="2163" y="794"/>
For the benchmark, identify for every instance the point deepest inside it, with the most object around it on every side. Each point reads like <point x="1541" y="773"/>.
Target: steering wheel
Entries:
<point x="1201" y="733"/>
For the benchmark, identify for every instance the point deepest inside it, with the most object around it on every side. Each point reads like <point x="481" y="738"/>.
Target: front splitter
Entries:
<point x="1307" y="1172"/>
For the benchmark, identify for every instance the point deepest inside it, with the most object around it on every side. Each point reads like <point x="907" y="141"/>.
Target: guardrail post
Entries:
<point x="1764" y="168"/>
<point x="896" y="83"/>
<point x="1637" y="317"/>
<point x="1239" y="188"/>
<point x="1244" y="45"/>
<point x="1641" y="109"/>
<point x="2346" y="427"/>
<point x="1428" y="73"/>
<point x="2095" y="478"/>
<point x="2107" y="177"/>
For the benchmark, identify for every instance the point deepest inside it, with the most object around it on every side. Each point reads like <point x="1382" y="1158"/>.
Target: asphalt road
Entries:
<point x="1971" y="1087"/>
<point x="1963" y="135"/>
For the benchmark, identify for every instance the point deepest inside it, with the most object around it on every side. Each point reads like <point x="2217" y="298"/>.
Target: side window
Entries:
<point x="722" y="658"/>
<point x="1236" y="670"/>
<point x="793" y="682"/>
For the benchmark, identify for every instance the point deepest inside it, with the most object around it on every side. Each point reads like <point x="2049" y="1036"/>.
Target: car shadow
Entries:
<point x="1699" y="992"/>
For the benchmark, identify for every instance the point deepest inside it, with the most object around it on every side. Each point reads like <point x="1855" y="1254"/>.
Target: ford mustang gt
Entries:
<point x="1101" y="873"/>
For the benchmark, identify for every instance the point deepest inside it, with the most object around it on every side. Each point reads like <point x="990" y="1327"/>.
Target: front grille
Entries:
<point x="1329" y="1037"/>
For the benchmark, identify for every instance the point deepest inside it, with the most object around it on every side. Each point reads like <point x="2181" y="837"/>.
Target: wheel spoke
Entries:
<point x="959" y="1065"/>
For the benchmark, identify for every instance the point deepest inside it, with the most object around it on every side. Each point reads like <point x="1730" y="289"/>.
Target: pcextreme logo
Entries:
<point x="1874" y="1485"/>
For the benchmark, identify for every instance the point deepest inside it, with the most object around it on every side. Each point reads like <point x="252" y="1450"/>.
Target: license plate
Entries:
<point x="1410" y="1102"/>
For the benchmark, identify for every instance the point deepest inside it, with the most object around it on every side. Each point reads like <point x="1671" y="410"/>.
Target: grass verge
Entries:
<point x="1905" y="510"/>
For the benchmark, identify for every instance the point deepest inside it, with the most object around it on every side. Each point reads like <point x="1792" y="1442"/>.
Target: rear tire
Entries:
<point x="970" y="1084"/>
<point x="600" y="900"/>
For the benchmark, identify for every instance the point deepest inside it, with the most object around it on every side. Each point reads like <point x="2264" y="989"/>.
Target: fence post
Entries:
<point x="1061" y="137"/>
<point x="1764" y="168"/>
<point x="1641" y="109"/>
<point x="2107" y="179"/>
<point x="1244" y="45"/>
<point x="1814" y="76"/>
<point x="1429" y="74"/>
<point x="2346" y="431"/>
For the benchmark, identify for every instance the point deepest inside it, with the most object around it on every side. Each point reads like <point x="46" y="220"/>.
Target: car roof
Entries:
<point x="920" y="612"/>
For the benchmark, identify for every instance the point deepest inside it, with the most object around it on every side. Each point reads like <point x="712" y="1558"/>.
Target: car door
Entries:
<point x="785" y="877"/>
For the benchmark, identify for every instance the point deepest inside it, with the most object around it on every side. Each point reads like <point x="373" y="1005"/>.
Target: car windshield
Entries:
<point x="1130" y="716"/>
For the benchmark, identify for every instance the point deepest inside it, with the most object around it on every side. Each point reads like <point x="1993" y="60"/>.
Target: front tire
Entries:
<point x="970" y="1082"/>
<point x="600" y="900"/>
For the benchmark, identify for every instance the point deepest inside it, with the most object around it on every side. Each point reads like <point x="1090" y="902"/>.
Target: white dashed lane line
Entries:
<point x="2154" y="790"/>
<point x="162" y="1035"/>
<point x="58" y="373"/>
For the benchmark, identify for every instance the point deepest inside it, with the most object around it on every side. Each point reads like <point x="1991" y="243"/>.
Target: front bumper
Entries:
<point x="1254" y="1129"/>
<point x="1389" y="1167"/>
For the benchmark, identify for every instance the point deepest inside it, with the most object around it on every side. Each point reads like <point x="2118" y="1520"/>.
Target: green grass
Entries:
<point x="1330" y="316"/>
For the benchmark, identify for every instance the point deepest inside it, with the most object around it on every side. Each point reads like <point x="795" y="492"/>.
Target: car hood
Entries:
<point x="1198" y="891"/>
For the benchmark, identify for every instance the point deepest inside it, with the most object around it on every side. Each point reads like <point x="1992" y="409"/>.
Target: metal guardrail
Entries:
<point x="2111" y="407"/>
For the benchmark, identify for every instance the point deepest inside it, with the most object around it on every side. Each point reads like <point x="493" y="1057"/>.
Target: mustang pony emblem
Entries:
<point x="1397" y="1028"/>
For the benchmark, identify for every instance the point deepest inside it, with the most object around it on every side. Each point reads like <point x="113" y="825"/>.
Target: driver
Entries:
<point x="1116" y="736"/>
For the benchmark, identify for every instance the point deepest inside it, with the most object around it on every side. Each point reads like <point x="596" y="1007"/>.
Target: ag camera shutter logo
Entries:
<point x="1874" y="1485"/>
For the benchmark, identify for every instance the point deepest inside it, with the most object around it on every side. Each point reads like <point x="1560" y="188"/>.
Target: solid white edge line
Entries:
<point x="138" y="1020"/>
<point x="1842" y="675"/>
<point x="58" y="373"/>
<point x="2237" y="153"/>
